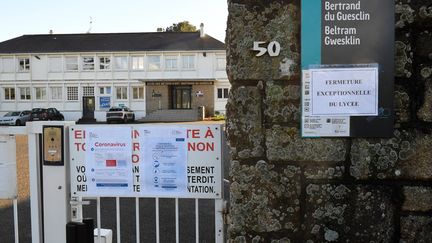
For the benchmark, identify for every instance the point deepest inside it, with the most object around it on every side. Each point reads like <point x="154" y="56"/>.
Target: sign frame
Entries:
<point x="204" y="162"/>
<point x="370" y="26"/>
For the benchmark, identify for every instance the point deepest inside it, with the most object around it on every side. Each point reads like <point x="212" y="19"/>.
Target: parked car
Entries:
<point x="121" y="114"/>
<point x="17" y="118"/>
<point x="43" y="114"/>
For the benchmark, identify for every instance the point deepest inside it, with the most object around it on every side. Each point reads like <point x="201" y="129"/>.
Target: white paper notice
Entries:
<point x="109" y="161"/>
<point x="344" y="91"/>
<point x="164" y="160"/>
<point x="320" y="126"/>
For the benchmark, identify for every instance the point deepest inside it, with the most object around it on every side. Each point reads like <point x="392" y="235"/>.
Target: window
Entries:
<point x="154" y="62"/>
<point x="9" y="93"/>
<point x="171" y="62"/>
<point x="222" y="93"/>
<point x="121" y="63"/>
<point x="88" y="91"/>
<point x="71" y="63"/>
<point x="88" y="63"/>
<point x="56" y="93"/>
<point x="25" y="93"/>
<point x="40" y="93"/>
<point x="55" y="64"/>
<point x="72" y="93"/>
<point x="138" y="93"/>
<point x="220" y="63"/>
<point x="104" y="63"/>
<point x="137" y="63"/>
<point x="23" y="64"/>
<point x="104" y="90"/>
<point x="188" y="62"/>
<point x="8" y="65"/>
<point x="121" y="93"/>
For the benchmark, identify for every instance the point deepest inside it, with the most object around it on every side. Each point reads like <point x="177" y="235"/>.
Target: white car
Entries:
<point x="15" y="118"/>
<point x="120" y="114"/>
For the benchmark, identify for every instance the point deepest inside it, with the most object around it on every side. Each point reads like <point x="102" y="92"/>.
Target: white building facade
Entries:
<point x="83" y="75"/>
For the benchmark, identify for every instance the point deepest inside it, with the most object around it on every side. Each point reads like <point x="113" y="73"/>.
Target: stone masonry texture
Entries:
<point x="285" y="188"/>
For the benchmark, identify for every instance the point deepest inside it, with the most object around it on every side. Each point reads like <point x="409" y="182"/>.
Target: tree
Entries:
<point x="183" y="26"/>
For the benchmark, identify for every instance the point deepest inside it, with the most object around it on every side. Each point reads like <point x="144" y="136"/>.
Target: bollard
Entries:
<point x="77" y="232"/>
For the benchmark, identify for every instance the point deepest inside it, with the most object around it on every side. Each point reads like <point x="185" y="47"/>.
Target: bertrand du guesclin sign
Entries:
<point x="347" y="68"/>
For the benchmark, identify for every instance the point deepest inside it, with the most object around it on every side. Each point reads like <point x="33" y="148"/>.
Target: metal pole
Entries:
<point x="219" y="221"/>
<point x="98" y="207"/>
<point x="35" y="195"/>
<point x="118" y="219"/>
<point x="15" y="207"/>
<point x="137" y="219"/>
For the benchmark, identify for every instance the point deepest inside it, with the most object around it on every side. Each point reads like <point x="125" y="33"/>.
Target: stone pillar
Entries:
<point x="285" y="188"/>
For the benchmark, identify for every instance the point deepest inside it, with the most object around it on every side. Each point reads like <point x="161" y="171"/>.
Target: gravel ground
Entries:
<point x="147" y="212"/>
<point x="6" y="209"/>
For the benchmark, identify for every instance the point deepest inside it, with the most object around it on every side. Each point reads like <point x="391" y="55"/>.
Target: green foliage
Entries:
<point x="183" y="26"/>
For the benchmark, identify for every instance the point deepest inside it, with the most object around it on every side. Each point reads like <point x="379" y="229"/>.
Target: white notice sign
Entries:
<point x="344" y="91"/>
<point x="8" y="176"/>
<point x="109" y="161"/>
<point x="317" y="126"/>
<point x="164" y="156"/>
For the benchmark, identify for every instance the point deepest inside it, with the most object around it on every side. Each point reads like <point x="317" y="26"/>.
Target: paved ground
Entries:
<point x="147" y="209"/>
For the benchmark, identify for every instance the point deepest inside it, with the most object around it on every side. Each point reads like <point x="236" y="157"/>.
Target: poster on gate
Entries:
<point x="109" y="161"/>
<point x="187" y="159"/>
<point x="164" y="163"/>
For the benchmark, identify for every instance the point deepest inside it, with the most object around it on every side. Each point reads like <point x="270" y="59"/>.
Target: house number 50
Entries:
<point x="273" y="48"/>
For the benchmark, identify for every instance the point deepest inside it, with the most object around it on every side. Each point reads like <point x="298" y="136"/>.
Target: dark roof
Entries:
<point x="111" y="42"/>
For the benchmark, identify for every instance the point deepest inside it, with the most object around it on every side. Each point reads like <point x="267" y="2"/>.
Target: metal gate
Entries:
<point x="58" y="197"/>
<point x="8" y="173"/>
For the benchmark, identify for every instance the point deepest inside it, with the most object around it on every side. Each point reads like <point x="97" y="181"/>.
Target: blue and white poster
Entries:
<point x="165" y="160"/>
<point x="104" y="102"/>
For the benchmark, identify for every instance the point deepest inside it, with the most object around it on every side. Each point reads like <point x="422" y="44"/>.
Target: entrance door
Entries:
<point x="182" y="97"/>
<point x="88" y="107"/>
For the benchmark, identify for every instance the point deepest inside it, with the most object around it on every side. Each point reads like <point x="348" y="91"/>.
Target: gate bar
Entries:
<point x="177" y="219"/>
<point x="118" y="218"/>
<point x="137" y="221"/>
<point x="15" y="208"/>
<point x="196" y="221"/>
<point x="98" y="209"/>
<point x="157" y="220"/>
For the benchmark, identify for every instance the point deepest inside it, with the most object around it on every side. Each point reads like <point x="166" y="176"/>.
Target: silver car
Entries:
<point x="15" y="118"/>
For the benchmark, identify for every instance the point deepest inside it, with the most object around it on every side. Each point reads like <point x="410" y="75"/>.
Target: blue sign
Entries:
<point x="104" y="102"/>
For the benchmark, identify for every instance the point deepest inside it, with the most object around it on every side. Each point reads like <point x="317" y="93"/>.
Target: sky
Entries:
<point x="25" y="17"/>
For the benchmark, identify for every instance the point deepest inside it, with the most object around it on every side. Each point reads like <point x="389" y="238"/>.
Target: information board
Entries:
<point x="166" y="160"/>
<point x="8" y="175"/>
<point x="342" y="41"/>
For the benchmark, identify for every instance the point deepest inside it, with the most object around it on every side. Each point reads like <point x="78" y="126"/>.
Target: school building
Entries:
<point x="159" y="75"/>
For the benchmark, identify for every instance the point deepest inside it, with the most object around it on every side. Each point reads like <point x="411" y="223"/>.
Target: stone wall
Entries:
<point x="288" y="189"/>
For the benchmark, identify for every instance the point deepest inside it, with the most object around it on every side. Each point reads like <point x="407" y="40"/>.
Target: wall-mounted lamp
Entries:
<point x="199" y="93"/>
<point x="156" y="94"/>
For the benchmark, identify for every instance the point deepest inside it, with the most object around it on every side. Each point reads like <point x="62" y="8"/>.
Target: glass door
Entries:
<point x="182" y="97"/>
